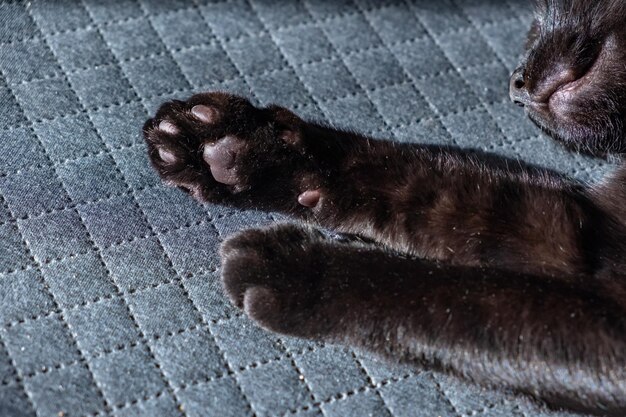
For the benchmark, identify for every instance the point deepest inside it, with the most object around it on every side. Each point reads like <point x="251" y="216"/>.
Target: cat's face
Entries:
<point x="572" y="82"/>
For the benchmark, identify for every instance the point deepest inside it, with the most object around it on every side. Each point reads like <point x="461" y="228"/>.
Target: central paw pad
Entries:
<point x="221" y="156"/>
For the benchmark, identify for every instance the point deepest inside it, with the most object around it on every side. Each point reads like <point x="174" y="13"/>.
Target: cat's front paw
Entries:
<point x="274" y="275"/>
<point x="220" y="148"/>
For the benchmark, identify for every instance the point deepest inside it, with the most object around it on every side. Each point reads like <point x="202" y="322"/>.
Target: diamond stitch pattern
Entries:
<point x="110" y="302"/>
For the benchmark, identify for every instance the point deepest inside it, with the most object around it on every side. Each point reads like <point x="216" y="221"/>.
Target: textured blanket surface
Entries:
<point x="110" y="302"/>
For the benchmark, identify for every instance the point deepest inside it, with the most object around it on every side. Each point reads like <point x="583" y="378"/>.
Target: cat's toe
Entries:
<point x="252" y="283"/>
<point x="165" y="152"/>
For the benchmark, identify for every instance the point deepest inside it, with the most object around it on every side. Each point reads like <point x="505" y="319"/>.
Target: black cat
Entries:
<point x="510" y="278"/>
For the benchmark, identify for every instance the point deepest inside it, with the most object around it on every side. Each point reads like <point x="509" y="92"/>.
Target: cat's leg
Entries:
<point x="561" y="341"/>
<point x="422" y="201"/>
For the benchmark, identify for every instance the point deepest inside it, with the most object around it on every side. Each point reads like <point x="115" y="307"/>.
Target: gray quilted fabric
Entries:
<point x="110" y="302"/>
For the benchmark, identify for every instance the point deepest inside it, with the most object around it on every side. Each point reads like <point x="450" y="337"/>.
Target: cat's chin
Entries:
<point x="564" y="128"/>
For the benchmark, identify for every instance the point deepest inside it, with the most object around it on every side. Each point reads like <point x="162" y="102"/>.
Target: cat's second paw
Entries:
<point x="273" y="275"/>
<point x="220" y="148"/>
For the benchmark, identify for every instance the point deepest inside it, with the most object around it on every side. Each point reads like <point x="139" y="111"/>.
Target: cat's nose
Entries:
<point x="517" y="88"/>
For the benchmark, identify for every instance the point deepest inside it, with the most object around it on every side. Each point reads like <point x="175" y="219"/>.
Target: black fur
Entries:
<point x="509" y="278"/>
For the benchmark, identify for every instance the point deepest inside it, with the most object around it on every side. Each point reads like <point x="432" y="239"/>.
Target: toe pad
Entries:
<point x="206" y="114"/>
<point x="309" y="198"/>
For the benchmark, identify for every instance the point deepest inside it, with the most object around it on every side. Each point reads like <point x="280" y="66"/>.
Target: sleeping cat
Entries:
<point x="514" y="278"/>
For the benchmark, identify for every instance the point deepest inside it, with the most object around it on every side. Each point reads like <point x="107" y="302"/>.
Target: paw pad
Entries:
<point x="206" y="114"/>
<point x="168" y="127"/>
<point x="221" y="156"/>
<point x="166" y="156"/>
<point x="309" y="198"/>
